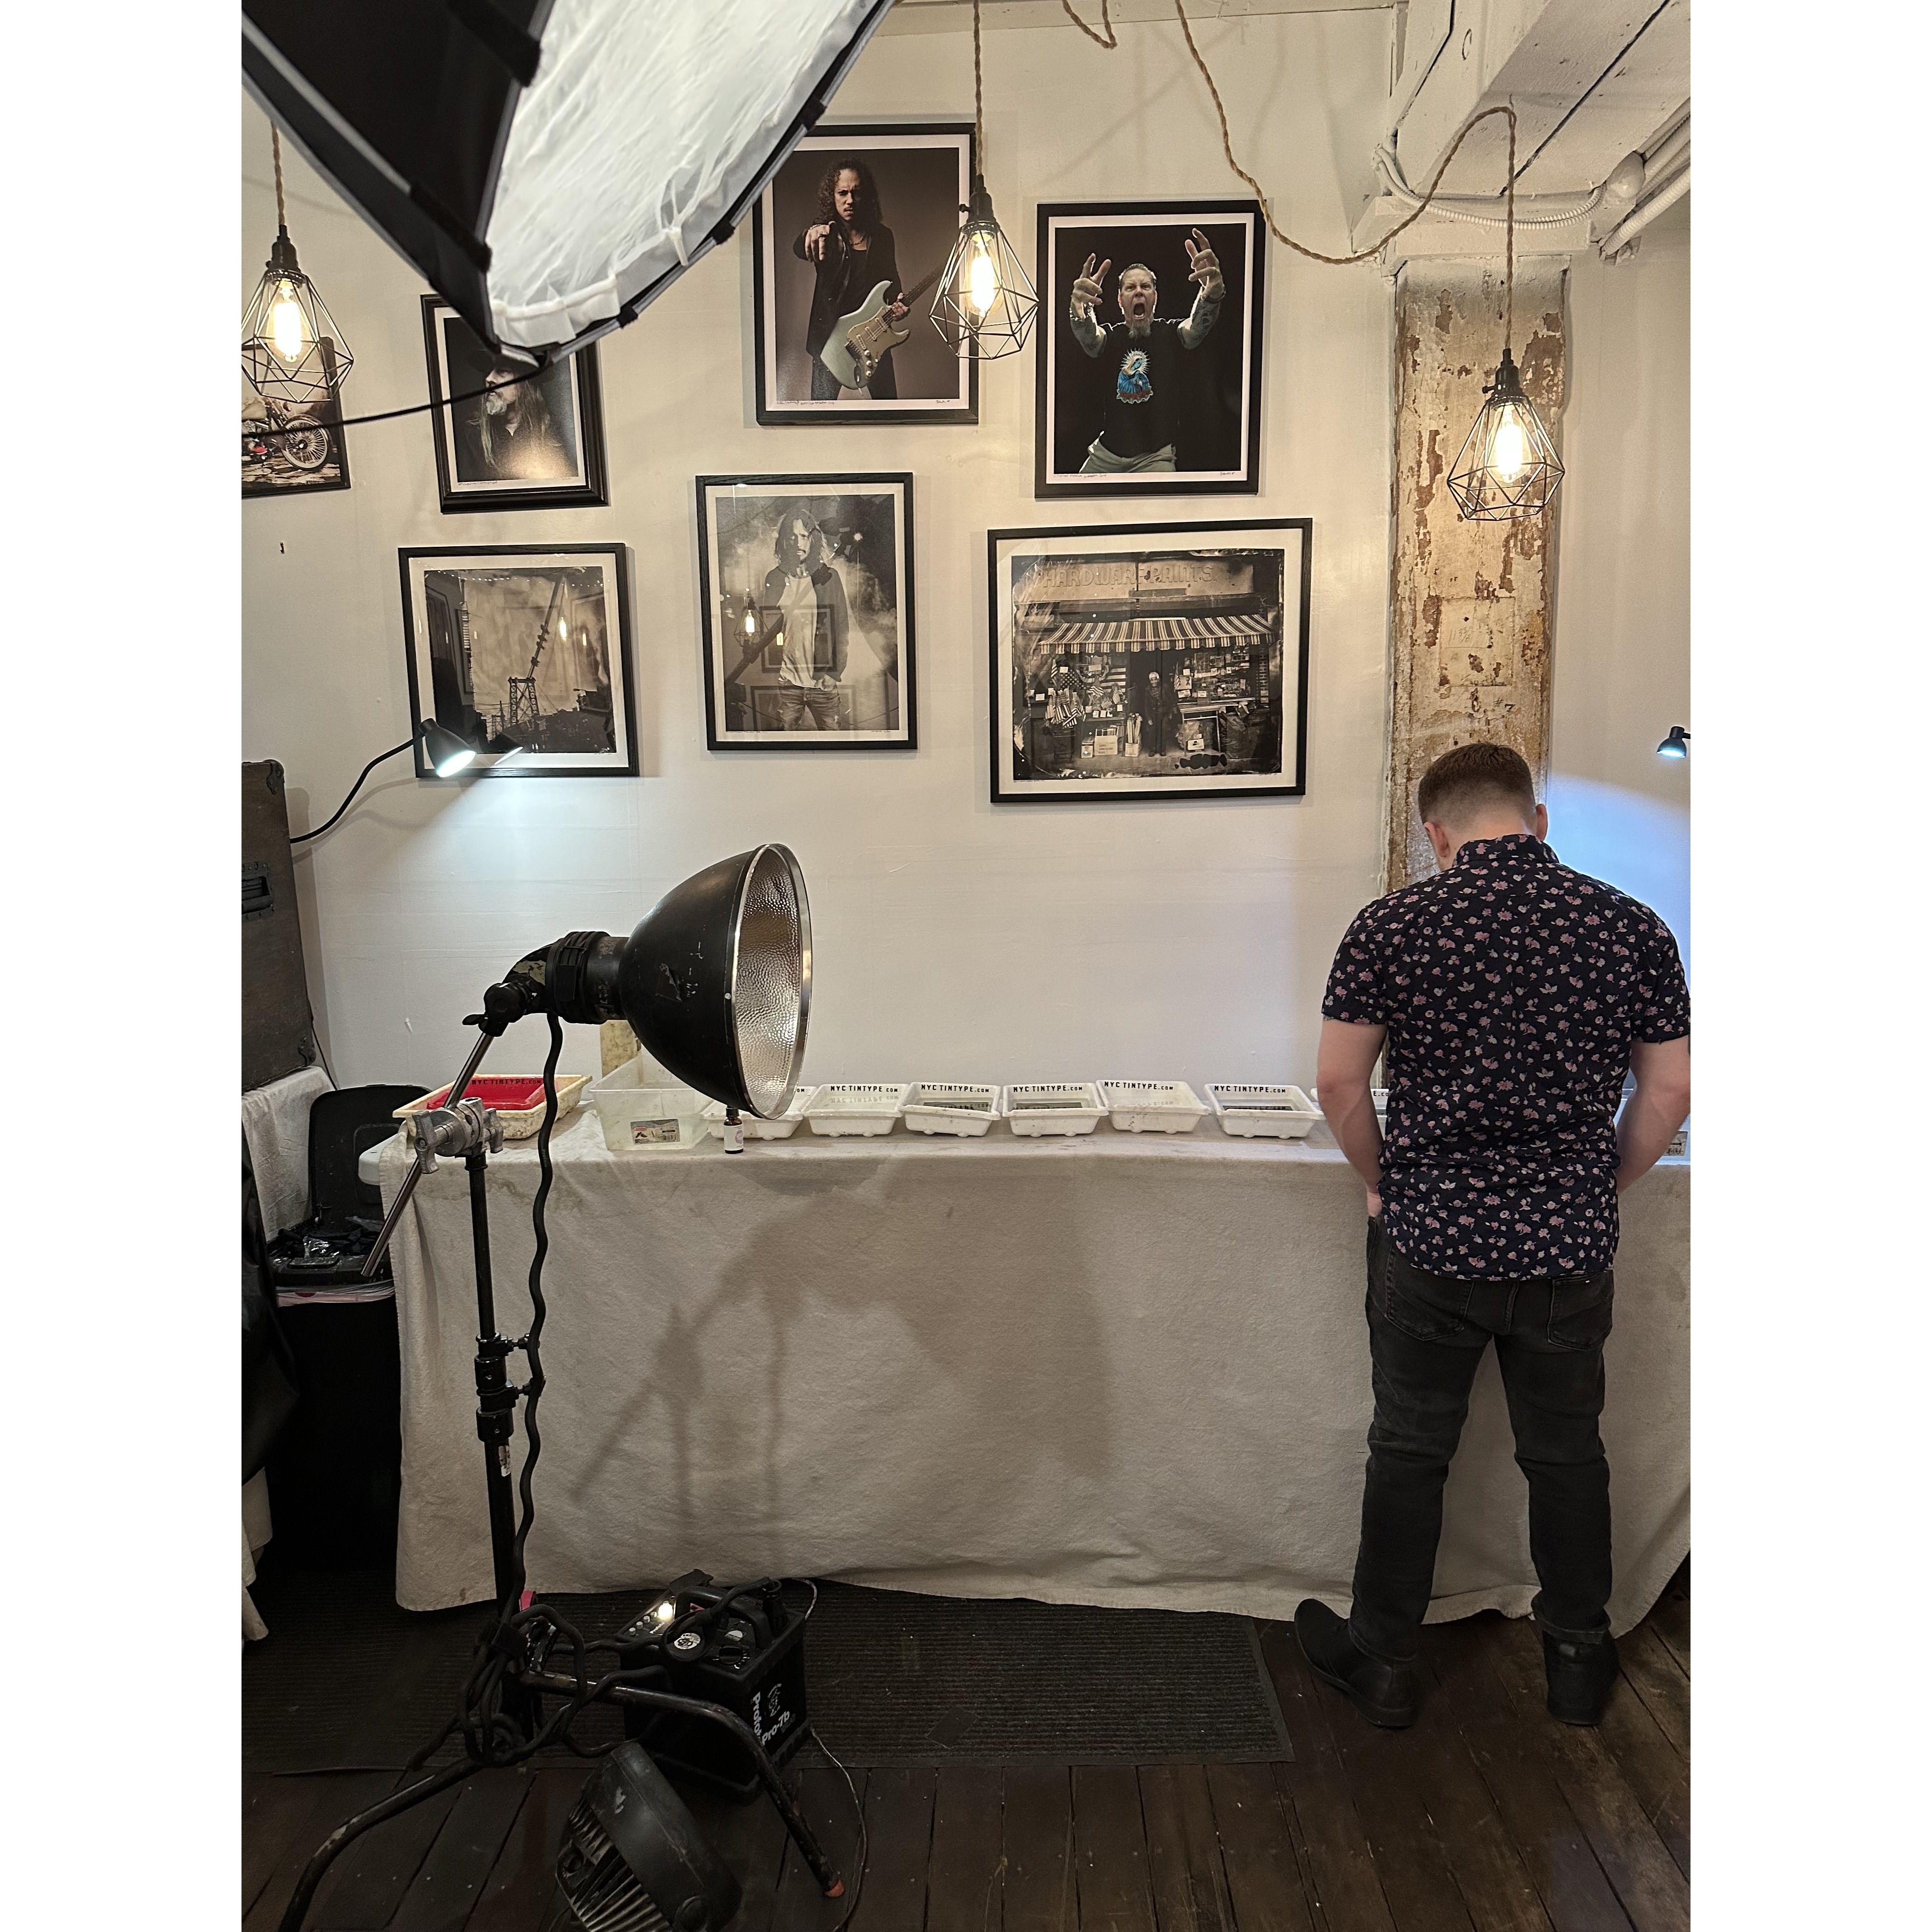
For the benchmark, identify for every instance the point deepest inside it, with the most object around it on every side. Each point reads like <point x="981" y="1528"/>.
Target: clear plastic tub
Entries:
<point x="637" y="1119"/>
<point x="782" y="1128"/>
<point x="1152" y="1106"/>
<point x="1041" y="1107"/>
<point x="952" y="1107"/>
<point x="856" y="1107"/>
<point x="1263" y="1112"/>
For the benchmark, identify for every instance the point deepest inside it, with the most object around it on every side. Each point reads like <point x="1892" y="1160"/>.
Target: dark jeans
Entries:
<point x="884" y="387"/>
<point x="1427" y="1334"/>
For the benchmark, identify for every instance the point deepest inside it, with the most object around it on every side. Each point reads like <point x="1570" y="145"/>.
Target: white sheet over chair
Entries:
<point x="1127" y="1370"/>
<point x="274" y="1121"/>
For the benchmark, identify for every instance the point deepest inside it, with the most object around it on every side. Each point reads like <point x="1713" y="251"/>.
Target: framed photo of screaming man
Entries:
<point x="1147" y="379"/>
<point x="1142" y="660"/>
<point x="805" y="585"/>
<point x="848" y="241"/>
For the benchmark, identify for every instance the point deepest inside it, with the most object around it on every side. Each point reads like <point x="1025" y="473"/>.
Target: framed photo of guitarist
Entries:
<point x="848" y="241"/>
<point x="805" y="584"/>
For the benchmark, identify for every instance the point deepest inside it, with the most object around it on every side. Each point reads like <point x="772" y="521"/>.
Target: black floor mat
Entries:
<point x="345" y="1679"/>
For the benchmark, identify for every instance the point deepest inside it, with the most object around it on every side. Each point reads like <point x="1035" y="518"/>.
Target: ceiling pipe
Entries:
<point x="1627" y="232"/>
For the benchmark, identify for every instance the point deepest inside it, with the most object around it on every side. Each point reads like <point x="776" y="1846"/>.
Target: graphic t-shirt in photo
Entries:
<point x="1143" y="387"/>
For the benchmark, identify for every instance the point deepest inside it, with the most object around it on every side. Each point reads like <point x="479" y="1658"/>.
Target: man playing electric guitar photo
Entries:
<point x="852" y="252"/>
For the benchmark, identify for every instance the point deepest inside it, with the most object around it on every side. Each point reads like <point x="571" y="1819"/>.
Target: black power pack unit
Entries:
<point x="743" y="1649"/>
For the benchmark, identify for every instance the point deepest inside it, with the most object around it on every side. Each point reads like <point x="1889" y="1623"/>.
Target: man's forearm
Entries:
<point x="1202" y="316"/>
<point x="1650" y="1117"/>
<point x="1087" y="332"/>
<point x="1350" y="1110"/>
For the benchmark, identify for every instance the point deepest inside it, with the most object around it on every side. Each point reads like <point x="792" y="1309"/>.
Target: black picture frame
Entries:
<point x="443" y="656"/>
<point x="1095" y="619"/>
<point x="932" y="240"/>
<point x="577" y="378"/>
<point x="722" y="609"/>
<point x="277" y="446"/>
<point x="1069" y="395"/>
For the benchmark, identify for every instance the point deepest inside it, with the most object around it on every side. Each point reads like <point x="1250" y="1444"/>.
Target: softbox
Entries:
<point x="550" y="165"/>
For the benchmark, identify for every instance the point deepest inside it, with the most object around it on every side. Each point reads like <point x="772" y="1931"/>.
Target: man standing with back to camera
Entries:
<point x="1512" y="995"/>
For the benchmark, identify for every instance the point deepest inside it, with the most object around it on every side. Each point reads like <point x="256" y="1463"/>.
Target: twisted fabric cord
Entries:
<point x="1108" y="36"/>
<point x="281" y="207"/>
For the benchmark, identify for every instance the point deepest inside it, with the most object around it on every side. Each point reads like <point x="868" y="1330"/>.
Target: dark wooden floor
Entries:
<point x="1488" y="1816"/>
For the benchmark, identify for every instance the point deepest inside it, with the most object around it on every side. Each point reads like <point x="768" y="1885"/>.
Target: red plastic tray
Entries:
<point x="510" y="1093"/>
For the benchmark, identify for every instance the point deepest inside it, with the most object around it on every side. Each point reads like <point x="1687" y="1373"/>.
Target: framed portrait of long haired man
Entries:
<point x="805" y="584"/>
<point x="848" y="242"/>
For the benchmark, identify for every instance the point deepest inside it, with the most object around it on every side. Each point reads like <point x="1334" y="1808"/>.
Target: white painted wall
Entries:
<point x="1623" y="576"/>
<point x="954" y="940"/>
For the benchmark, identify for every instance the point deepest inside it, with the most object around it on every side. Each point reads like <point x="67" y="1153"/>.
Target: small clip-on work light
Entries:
<point x="716" y="983"/>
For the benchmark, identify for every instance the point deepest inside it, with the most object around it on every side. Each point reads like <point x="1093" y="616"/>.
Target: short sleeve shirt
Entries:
<point x="1144" y="378"/>
<point x="1513" y="990"/>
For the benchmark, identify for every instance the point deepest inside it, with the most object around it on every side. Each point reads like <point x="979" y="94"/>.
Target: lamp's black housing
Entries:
<point x="632" y="1856"/>
<point x="715" y="981"/>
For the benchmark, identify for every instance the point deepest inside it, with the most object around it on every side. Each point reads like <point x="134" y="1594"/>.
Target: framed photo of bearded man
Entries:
<point x="849" y="239"/>
<point x="1148" y="381"/>
<point x="535" y="443"/>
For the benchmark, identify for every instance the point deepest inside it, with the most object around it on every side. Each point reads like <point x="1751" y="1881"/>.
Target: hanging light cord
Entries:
<point x="978" y="88"/>
<point x="281" y="206"/>
<point x="1107" y="36"/>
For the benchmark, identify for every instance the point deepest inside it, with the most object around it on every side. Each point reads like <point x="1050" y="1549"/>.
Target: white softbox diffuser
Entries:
<point x="551" y="166"/>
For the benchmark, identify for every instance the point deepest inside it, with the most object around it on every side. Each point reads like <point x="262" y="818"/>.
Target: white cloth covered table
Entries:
<point x="1122" y="1369"/>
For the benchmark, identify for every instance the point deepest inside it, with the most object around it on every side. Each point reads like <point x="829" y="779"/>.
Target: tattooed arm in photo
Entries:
<point x="1087" y="332"/>
<point x="1204" y="267"/>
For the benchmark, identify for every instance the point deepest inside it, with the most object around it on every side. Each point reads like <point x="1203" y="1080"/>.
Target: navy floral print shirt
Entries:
<point x="1512" y="988"/>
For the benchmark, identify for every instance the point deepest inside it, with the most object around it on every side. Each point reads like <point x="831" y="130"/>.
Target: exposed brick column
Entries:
<point x="1470" y="605"/>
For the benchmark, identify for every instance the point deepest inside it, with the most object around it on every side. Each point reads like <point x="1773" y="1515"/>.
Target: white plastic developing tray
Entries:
<point x="782" y="1128"/>
<point x="856" y="1107"/>
<point x="1263" y="1113"/>
<point x="1152" y="1106"/>
<point x="638" y="1119"/>
<point x="1053" y="1107"/>
<point x="952" y="1107"/>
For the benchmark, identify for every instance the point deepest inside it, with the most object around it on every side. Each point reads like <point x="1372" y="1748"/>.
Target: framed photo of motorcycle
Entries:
<point x="848" y="241"/>
<point x="533" y="445"/>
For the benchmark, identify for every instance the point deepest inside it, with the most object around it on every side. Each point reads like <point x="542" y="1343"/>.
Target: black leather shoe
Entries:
<point x="1580" y="1672"/>
<point x="1385" y="1693"/>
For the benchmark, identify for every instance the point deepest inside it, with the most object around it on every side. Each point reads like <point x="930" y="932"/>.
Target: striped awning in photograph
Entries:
<point x="1158" y="634"/>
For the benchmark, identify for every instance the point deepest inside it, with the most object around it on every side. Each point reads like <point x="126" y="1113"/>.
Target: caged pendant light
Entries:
<point x="1508" y="467"/>
<point x="292" y="351"/>
<point x="985" y="306"/>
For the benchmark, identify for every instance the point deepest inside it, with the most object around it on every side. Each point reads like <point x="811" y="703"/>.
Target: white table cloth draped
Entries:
<point x="1124" y="1369"/>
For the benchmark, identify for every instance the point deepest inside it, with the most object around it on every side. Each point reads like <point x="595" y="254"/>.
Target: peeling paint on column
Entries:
<point x="1469" y="604"/>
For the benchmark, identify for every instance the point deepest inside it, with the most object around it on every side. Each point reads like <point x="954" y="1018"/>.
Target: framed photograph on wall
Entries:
<point x="534" y="444"/>
<point x="848" y="241"/>
<point x="286" y="452"/>
<point x="805" y="585"/>
<point x="524" y="647"/>
<point x="1138" y="661"/>
<point x="1148" y="378"/>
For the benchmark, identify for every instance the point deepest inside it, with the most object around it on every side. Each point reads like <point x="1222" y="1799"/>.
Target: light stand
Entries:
<point x="715" y="981"/>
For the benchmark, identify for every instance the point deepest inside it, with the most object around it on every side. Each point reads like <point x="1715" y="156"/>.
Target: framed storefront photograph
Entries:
<point x="805" y="584"/>
<point x="1148" y="661"/>
<point x="848" y="241"/>
<point x="524" y="650"/>
<point x="1148" y="378"/>
<point x="535" y="443"/>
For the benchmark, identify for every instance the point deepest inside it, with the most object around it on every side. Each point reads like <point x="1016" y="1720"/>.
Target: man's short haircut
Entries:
<point x="1462" y="781"/>
<point x="1145" y="270"/>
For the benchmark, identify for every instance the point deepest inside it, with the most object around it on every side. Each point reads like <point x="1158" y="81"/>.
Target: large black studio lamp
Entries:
<point x="1508" y="468"/>
<point x="715" y="980"/>
<point x="292" y="351"/>
<point x="550" y="165"/>
<point x="986" y="305"/>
